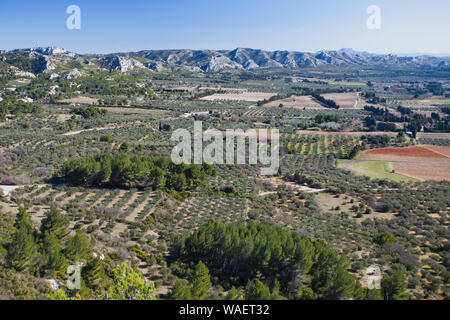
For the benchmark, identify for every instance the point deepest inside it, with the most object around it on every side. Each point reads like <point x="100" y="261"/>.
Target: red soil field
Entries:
<point x="420" y="162"/>
<point x="410" y="152"/>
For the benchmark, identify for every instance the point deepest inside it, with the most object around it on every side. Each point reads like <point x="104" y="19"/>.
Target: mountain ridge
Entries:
<point x="210" y="61"/>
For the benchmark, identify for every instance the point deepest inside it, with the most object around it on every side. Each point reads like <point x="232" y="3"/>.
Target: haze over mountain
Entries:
<point x="49" y="59"/>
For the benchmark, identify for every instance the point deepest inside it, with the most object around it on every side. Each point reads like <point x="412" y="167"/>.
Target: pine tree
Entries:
<point x="234" y="294"/>
<point x="374" y="294"/>
<point x="54" y="222"/>
<point x="180" y="291"/>
<point x="22" y="253"/>
<point x="94" y="273"/>
<point x="77" y="248"/>
<point x="304" y="292"/>
<point x="201" y="282"/>
<point x="256" y="290"/>
<point x="340" y="284"/>
<point x="54" y="257"/>
<point x="393" y="287"/>
<point x="275" y="291"/>
<point x="130" y="284"/>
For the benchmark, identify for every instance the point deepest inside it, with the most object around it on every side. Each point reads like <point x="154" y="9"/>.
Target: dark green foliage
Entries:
<point x="94" y="273"/>
<point x="124" y="147"/>
<point x="53" y="253"/>
<point x="22" y="253"/>
<point x="383" y="237"/>
<point x="11" y="106"/>
<point x="326" y="102"/>
<point x="77" y="248"/>
<point x="107" y="138"/>
<point x="131" y="171"/>
<point x="256" y="290"/>
<point x="201" y="282"/>
<point x="90" y="112"/>
<point x="244" y="251"/>
<point x="393" y="287"/>
<point x="180" y="291"/>
<point x="196" y="288"/>
<point x="55" y="223"/>
<point x="321" y="118"/>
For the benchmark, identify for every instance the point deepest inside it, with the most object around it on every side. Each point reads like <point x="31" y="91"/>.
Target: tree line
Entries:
<point x="326" y="102"/>
<point x="12" y="106"/>
<point x="133" y="171"/>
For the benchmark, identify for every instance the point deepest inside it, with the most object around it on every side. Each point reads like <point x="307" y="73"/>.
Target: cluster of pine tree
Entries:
<point x="47" y="253"/>
<point x="133" y="171"/>
<point x="293" y="266"/>
<point x="90" y="112"/>
<point x="12" y="106"/>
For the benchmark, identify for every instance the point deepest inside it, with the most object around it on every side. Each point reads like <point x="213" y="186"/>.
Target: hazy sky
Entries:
<point x="407" y="26"/>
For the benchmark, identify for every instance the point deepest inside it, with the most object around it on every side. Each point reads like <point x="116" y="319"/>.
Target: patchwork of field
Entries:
<point x="240" y="96"/>
<point x="419" y="162"/>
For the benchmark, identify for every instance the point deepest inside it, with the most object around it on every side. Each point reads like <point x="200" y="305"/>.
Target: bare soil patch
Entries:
<point x="297" y="102"/>
<point x="346" y="100"/>
<point x="80" y="100"/>
<point x="413" y="153"/>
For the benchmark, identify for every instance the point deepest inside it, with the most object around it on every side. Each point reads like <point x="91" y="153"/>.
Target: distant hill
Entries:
<point x="53" y="59"/>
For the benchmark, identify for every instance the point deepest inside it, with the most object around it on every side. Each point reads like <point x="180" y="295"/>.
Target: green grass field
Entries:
<point x="373" y="169"/>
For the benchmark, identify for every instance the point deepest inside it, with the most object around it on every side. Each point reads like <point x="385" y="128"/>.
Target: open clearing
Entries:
<point x="374" y="169"/>
<point x="80" y="100"/>
<point x="420" y="162"/>
<point x="240" y="96"/>
<point x="346" y="100"/>
<point x="297" y="102"/>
